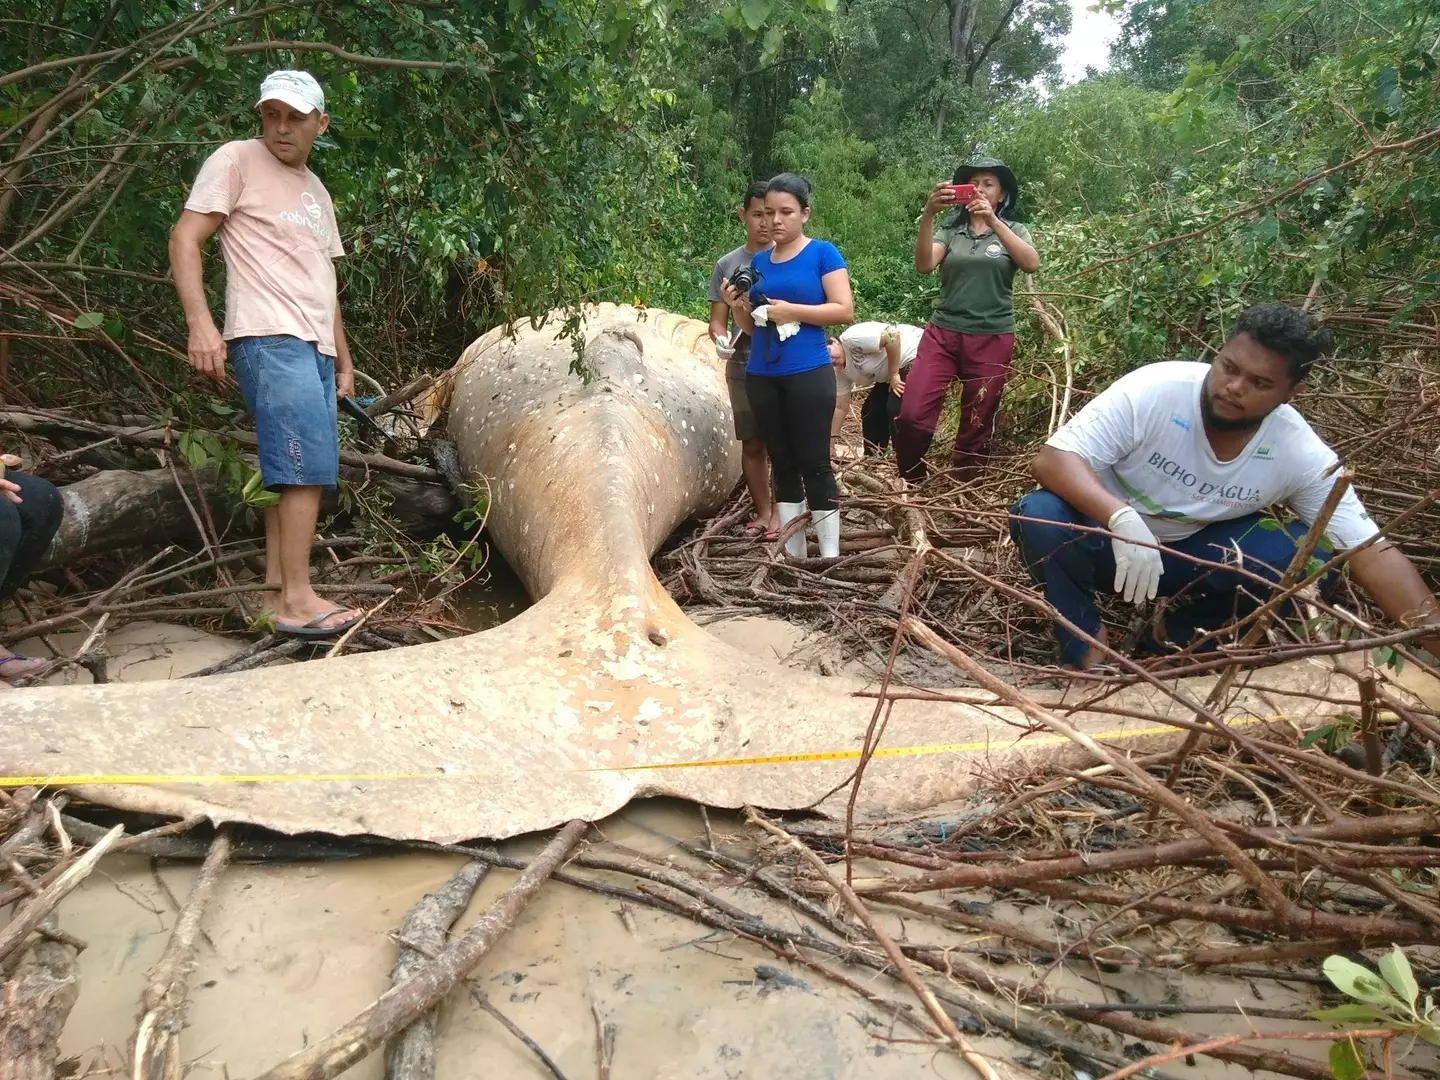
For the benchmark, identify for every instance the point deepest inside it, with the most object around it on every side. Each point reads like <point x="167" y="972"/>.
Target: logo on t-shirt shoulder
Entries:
<point x="1265" y="452"/>
<point x="995" y="250"/>
<point x="1180" y="421"/>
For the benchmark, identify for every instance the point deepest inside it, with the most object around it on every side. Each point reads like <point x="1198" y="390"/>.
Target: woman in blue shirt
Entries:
<point x="803" y="287"/>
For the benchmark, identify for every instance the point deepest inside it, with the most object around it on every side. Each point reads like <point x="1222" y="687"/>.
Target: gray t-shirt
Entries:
<point x="726" y="265"/>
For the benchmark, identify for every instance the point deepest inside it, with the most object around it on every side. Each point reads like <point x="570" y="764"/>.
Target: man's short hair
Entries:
<point x="753" y="192"/>
<point x="1292" y="333"/>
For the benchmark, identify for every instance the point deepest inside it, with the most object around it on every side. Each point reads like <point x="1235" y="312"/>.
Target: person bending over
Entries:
<point x="803" y="287"/>
<point x="283" y="332"/>
<point x="1190" y="455"/>
<point x="872" y="354"/>
<point x="733" y="345"/>
<point x="971" y="336"/>
<point x="30" y="512"/>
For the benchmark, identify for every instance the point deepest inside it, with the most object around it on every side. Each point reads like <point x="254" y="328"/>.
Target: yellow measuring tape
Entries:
<point x="77" y="779"/>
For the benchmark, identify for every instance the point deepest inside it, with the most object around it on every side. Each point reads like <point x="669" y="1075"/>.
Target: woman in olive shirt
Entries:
<point x="971" y="335"/>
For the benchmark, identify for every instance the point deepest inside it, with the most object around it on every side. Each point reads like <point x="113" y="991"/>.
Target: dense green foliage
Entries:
<point x="494" y="160"/>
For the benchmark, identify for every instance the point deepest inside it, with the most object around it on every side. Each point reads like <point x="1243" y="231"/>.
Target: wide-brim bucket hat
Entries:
<point x="966" y="172"/>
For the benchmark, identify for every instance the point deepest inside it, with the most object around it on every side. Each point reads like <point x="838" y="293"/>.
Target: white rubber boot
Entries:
<point x="827" y="531"/>
<point x="795" y="546"/>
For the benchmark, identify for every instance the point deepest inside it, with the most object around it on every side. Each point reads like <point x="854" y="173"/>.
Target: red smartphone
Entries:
<point x="964" y="193"/>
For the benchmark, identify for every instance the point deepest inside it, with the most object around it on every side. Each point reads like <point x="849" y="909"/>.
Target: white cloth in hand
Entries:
<point x="1137" y="568"/>
<point x="761" y="315"/>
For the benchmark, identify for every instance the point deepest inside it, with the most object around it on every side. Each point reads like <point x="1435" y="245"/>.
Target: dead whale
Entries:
<point x="601" y="692"/>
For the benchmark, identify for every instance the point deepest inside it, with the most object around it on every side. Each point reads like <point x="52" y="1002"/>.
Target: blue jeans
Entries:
<point x="289" y="386"/>
<point x="27" y="529"/>
<point x="1072" y="565"/>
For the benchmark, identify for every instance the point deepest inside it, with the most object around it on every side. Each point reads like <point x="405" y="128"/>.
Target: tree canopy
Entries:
<point x="492" y="161"/>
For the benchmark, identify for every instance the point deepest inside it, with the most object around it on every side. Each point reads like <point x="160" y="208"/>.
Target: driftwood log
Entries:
<point x="132" y="506"/>
<point x="34" y="1004"/>
<point x="411" y="1054"/>
<point x="406" y="1002"/>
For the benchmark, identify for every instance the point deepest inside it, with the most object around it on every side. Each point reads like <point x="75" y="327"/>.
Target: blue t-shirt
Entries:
<point x="797" y="280"/>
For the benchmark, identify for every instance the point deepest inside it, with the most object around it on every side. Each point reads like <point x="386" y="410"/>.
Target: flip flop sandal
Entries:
<point x="23" y="667"/>
<point x="771" y="535"/>
<point x="752" y="528"/>
<point x="313" y="629"/>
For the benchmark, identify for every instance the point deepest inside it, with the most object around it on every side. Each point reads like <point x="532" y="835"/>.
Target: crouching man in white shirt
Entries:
<point x="872" y="354"/>
<point x="1190" y="456"/>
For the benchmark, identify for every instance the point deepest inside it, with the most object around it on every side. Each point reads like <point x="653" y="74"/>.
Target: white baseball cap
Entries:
<point x="298" y="89"/>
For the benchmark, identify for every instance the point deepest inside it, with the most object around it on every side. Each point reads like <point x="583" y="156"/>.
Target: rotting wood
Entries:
<point x="410" y="1055"/>
<point x="34" y="1004"/>
<point x="401" y="1005"/>
<point x="163" y="1003"/>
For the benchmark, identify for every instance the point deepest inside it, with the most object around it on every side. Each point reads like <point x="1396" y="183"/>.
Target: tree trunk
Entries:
<point x="34" y="1004"/>
<point x="962" y="32"/>
<point x="119" y="508"/>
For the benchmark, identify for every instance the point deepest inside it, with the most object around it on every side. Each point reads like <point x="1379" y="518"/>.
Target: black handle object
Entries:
<point x="356" y="411"/>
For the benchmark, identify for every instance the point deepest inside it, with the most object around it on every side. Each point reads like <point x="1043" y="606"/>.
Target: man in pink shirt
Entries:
<point x="283" y="333"/>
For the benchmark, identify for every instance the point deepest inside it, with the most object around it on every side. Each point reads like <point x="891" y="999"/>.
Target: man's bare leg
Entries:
<point x="755" y="464"/>
<point x="272" y="545"/>
<point x="295" y="519"/>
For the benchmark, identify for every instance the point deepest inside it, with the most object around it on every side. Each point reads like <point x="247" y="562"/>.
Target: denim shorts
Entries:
<point x="289" y="386"/>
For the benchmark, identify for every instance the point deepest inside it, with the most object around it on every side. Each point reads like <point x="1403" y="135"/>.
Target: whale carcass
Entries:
<point x="601" y="692"/>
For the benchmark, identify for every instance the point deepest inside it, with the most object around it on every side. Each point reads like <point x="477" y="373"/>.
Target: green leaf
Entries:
<point x="1359" y="982"/>
<point x="1395" y="967"/>
<point x="1269" y="524"/>
<point x="1345" y="1062"/>
<point x="1314" y="735"/>
<point x="1349" y="1014"/>
<point x="774" y="42"/>
<point x="755" y="12"/>
<point x="90" y="320"/>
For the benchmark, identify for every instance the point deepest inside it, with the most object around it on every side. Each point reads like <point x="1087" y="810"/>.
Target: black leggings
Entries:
<point x="793" y="413"/>
<point x="26" y="530"/>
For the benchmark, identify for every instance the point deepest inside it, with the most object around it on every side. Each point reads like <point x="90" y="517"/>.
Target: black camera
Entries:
<point x="744" y="278"/>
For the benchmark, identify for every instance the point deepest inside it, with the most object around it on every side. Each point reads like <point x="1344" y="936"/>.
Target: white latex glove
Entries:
<point x="1137" y="569"/>
<point x="724" y="349"/>
<point x="761" y="314"/>
<point x="787" y="330"/>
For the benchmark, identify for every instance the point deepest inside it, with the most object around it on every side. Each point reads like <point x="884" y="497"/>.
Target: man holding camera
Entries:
<point x="733" y="345"/>
<point x="872" y="354"/>
<point x="283" y="333"/>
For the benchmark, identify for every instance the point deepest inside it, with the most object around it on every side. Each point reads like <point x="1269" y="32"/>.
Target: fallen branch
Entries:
<point x="942" y="1019"/>
<point x="402" y="1005"/>
<point x="29" y="917"/>
<point x="157" y="1039"/>
<point x="411" y="1054"/>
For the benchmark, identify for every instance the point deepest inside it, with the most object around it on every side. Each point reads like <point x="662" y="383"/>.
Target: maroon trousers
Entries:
<point x="982" y="364"/>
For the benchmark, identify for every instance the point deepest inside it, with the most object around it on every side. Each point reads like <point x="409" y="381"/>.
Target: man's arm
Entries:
<point x="890" y="342"/>
<point x="206" y="349"/>
<point x="719" y="320"/>
<point x="1392" y="581"/>
<point x="344" y="366"/>
<point x="1071" y="477"/>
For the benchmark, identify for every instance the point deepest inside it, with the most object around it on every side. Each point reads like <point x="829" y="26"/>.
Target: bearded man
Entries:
<point x="1193" y="457"/>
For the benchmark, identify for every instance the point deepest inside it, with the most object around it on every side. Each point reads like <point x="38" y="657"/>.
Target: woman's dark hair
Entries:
<point x="1292" y="333"/>
<point x="791" y="184"/>
<point x="753" y="192"/>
